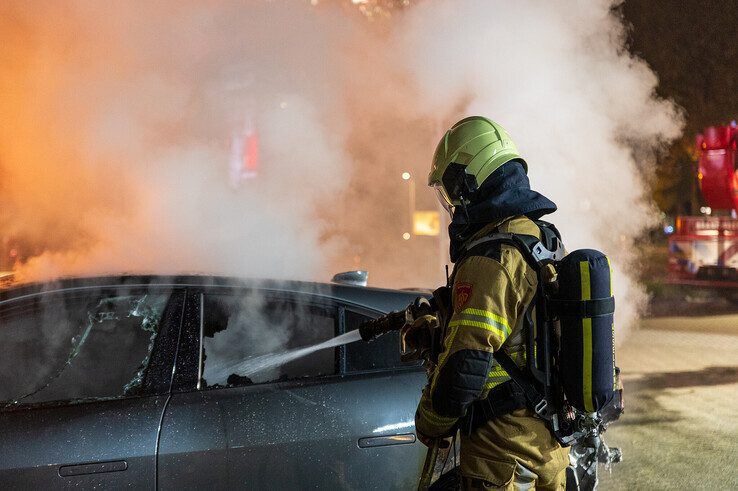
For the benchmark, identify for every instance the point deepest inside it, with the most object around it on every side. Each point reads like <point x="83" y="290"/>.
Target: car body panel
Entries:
<point x="295" y="437"/>
<point x="286" y="434"/>
<point x="92" y="443"/>
<point x="291" y="434"/>
<point x="40" y="446"/>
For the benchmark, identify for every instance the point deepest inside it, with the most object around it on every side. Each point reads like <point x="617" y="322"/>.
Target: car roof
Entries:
<point x="379" y="299"/>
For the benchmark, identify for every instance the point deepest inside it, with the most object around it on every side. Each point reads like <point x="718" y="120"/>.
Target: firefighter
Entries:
<point x="482" y="181"/>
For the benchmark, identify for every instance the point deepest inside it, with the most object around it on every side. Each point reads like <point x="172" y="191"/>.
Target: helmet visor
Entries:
<point x="443" y="198"/>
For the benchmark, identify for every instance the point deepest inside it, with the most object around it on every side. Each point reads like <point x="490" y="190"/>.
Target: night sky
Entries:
<point x="693" y="47"/>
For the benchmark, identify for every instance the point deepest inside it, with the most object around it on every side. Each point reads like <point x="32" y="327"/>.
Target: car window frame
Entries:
<point x="163" y="353"/>
<point x="372" y="313"/>
<point x="187" y="375"/>
<point x="187" y="371"/>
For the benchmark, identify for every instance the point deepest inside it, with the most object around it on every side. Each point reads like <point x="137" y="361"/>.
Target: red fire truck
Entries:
<point x="703" y="250"/>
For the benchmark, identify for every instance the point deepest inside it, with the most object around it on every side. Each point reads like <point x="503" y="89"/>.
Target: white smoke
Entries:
<point x="118" y="157"/>
<point x="558" y="78"/>
<point x="137" y="120"/>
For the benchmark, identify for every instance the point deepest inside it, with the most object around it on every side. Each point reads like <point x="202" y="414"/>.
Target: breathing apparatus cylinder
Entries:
<point x="586" y="311"/>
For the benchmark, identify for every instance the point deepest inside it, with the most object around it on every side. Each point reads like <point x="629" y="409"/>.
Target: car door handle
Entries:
<point x="383" y="441"/>
<point x="92" y="468"/>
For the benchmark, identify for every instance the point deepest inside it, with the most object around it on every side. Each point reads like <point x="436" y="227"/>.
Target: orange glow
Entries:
<point x="114" y="157"/>
<point x="427" y="223"/>
<point x="117" y="119"/>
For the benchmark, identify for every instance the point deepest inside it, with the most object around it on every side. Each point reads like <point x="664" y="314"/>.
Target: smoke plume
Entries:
<point x="118" y="123"/>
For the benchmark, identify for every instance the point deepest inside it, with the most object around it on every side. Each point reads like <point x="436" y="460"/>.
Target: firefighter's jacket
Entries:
<point x="490" y="295"/>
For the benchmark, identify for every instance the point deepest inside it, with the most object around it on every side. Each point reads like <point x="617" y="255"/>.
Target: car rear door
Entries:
<point x="312" y="422"/>
<point x="89" y="371"/>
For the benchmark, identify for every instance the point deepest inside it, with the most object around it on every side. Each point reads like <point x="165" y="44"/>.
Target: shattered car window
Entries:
<point x="245" y="339"/>
<point x="93" y="347"/>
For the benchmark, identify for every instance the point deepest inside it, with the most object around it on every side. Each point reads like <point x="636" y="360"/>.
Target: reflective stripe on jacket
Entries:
<point x="490" y="294"/>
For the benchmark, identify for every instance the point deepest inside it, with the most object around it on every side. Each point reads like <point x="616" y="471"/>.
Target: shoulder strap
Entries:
<point x="523" y="380"/>
<point x="504" y="238"/>
<point x="537" y="252"/>
<point x="533" y="250"/>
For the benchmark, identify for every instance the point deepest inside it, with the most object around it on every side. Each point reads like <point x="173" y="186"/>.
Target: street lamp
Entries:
<point x="406" y="176"/>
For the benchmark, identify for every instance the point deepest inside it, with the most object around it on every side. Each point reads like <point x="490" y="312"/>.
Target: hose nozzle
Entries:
<point x="394" y="321"/>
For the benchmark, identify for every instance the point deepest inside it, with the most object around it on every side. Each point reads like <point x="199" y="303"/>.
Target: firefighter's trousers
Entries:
<point x="513" y="452"/>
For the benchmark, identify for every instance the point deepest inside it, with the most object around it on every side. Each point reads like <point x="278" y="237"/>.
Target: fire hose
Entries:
<point x="420" y="336"/>
<point x="429" y="466"/>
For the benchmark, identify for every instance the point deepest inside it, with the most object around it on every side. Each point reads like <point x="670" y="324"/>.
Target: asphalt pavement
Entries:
<point x="680" y="427"/>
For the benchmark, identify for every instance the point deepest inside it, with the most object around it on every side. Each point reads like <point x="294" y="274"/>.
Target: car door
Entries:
<point x="85" y="376"/>
<point x="385" y="393"/>
<point x="311" y="422"/>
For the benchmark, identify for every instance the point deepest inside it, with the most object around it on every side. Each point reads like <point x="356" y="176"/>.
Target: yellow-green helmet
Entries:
<point x="467" y="155"/>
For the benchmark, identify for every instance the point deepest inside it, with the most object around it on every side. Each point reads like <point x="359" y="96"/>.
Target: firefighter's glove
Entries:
<point x="417" y="339"/>
<point x="421" y="306"/>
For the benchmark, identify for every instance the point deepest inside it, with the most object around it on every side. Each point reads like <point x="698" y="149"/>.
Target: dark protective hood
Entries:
<point x="506" y="193"/>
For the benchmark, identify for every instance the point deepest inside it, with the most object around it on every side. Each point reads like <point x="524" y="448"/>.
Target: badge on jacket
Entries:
<point x="462" y="294"/>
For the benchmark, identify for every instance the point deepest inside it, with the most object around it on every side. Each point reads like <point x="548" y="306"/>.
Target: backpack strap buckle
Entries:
<point x="541" y="408"/>
<point x="541" y="254"/>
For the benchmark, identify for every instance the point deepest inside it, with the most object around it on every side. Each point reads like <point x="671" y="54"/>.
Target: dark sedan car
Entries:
<point x="148" y="382"/>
